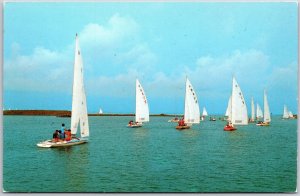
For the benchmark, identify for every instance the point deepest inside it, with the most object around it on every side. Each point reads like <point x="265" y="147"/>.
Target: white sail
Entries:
<point x="100" y="111"/>
<point x="291" y="114"/>
<point x="239" y="115"/>
<point x="204" y="113"/>
<point x="267" y="116"/>
<point x="285" y="112"/>
<point x="79" y="107"/>
<point x="141" y="107"/>
<point x="252" y="110"/>
<point x="228" y="110"/>
<point x="259" y="113"/>
<point x="191" y="105"/>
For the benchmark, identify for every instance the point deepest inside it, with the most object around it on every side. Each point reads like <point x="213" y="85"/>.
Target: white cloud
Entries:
<point x="121" y="85"/>
<point x="49" y="70"/>
<point x="43" y="70"/>
<point x="102" y="38"/>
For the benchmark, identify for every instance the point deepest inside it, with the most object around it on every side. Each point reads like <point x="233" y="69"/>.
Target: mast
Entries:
<point x="252" y="109"/>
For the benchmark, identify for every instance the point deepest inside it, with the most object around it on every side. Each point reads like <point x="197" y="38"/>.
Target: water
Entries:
<point x="154" y="158"/>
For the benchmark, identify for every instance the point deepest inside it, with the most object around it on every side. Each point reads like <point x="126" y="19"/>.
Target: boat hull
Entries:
<point x="50" y="144"/>
<point x="182" y="127"/>
<point x="229" y="128"/>
<point x="263" y="124"/>
<point x="134" y="126"/>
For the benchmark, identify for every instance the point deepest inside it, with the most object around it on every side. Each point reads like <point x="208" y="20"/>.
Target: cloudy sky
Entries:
<point x="158" y="43"/>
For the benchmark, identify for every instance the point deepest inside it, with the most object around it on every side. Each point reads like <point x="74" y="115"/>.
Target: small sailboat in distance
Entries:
<point x="79" y="108"/>
<point x="267" y="116"/>
<point x="100" y="111"/>
<point x="238" y="110"/>
<point x="252" y="119"/>
<point x="141" y="107"/>
<point x="259" y="113"/>
<point x="204" y="114"/>
<point x="191" y="108"/>
<point x="285" y="112"/>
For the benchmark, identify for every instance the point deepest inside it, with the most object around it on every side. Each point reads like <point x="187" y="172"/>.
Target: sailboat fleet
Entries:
<point x="236" y="112"/>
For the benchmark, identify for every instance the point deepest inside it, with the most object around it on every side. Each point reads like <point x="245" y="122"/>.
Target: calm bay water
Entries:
<point x="154" y="158"/>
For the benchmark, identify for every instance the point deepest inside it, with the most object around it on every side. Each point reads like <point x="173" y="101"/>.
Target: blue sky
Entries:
<point x="159" y="43"/>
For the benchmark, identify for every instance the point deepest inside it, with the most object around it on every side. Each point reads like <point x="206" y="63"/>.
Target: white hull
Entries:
<point x="50" y="144"/>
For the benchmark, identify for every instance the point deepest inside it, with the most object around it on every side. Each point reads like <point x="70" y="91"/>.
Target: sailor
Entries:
<point x="68" y="135"/>
<point x="62" y="129"/>
<point x="55" y="136"/>
<point x="181" y="122"/>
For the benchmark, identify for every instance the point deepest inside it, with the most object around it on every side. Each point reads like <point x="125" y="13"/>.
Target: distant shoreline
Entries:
<point x="65" y="113"/>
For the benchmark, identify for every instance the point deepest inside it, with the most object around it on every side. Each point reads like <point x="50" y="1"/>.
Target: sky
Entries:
<point x="157" y="42"/>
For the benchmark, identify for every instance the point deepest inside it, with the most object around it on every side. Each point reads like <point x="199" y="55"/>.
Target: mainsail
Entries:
<point x="141" y="107"/>
<point x="239" y="114"/>
<point x="191" y="105"/>
<point x="204" y="113"/>
<point x="79" y="107"/>
<point x="285" y="112"/>
<point x="267" y="117"/>
<point x="259" y="113"/>
<point x="252" y="110"/>
<point x="228" y="110"/>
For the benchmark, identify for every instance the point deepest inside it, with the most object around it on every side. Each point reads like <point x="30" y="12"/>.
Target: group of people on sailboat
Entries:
<point x="62" y="135"/>
<point x="181" y="122"/>
<point x="131" y="123"/>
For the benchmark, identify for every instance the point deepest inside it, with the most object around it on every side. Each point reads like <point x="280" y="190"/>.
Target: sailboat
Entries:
<point x="267" y="116"/>
<point x="100" y="111"/>
<point x="191" y="108"/>
<point x="79" y="108"/>
<point x="238" y="109"/>
<point x="141" y="107"/>
<point x="252" y="119"/>
<point x="285" y="112"/>
<point x="259" y="113"/>
<point x="204" y="114"/>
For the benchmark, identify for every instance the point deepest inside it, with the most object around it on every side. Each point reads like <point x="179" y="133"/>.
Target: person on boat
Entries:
<point x="68" y="135"/>
<point x="55" y="137"/>
<point x="63" y="128"/>
<point x="181" y="122"/>
<point x="130" y="123"/>
<point x="61" y="135"/>
<point x="229" y="125"/>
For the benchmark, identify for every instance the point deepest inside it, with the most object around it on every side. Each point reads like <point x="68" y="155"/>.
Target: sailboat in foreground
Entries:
<point x="191" y="108"/>
<point x="141" y="107"/>
<point x="237" y="108"/>
<point x="79" y="108"/>
<point x="267" y="116"/>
